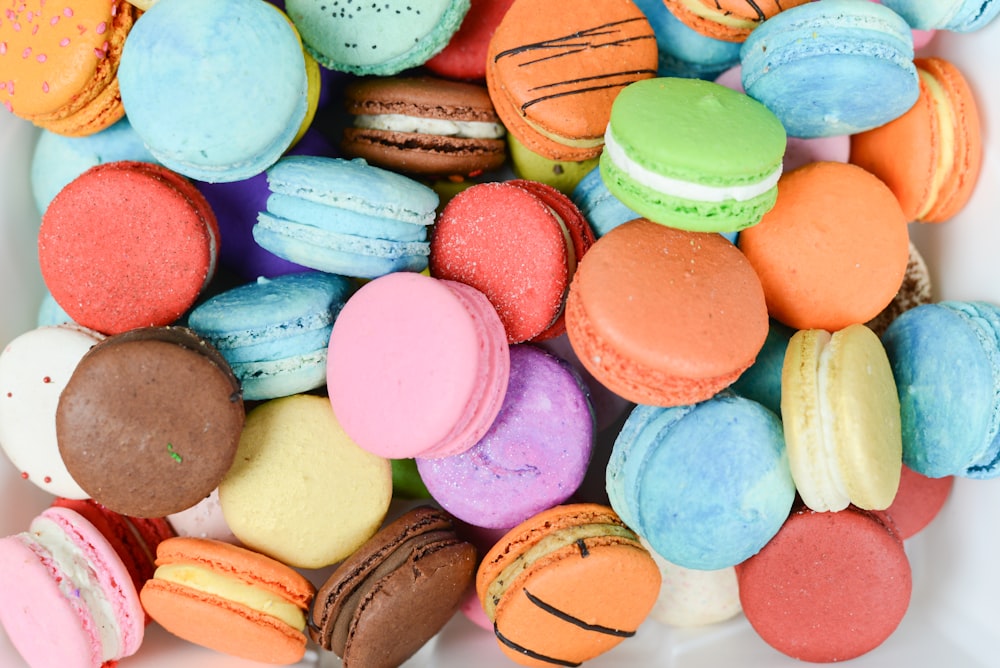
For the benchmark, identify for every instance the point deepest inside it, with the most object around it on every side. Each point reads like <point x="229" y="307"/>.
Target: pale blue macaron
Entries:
<point x="346" y="217"/>
<point x="275" y="332"/>
<point x="685" y="52"/>
<point x="945" y="358"/>
<point x="217" y="90"/>
<point x="832" y="68"/>
<point x="954" y="15"/>
<point x="707" y="485"/>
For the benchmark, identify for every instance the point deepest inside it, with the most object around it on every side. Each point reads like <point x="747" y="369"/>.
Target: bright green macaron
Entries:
<point x="693" y="154"/>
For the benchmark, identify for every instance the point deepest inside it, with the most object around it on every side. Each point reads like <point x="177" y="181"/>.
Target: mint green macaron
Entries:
<point x="693" y="154"/>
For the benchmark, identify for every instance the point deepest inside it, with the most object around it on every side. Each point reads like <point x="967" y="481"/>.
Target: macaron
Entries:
<point x="229" y="599"/>
<point x="840" y="412"/>
<point x="829" y="586"/>
<point x="474" y="242"/>
<point x="707" y="484"/>
<point x="300" y="490"/>
<point x="865" y="51"/>
<point x="345" y="217"/>
<point x="566" y="585"/>
<point x="683" y="51"/>
<point x="930" y="157"/>
<point x="274" y="333"/>
<point x="62" y="578"/>
<point x="953" y="15"/>
<point x="212" y="98"/>
<point x="619" y="301"/>
<point x="385" y="601"/>
<point x="554" y="68"/>
<point x="149" y="422"/>
<point x="119" y="233"/>
<point x="34" y="369"/>
<point x="828" y="259"/>
<point x="730" y="20"/>
<point x="534" y="455"/>
<point x="944" y="359"/>
<point x="425" y="126"/>
<point x="381" y="39"/>
<point x="464" y="56"/>
<point x="62" y="71"/>
<point x="429" y="352"/>
<point x="719" y="175"/>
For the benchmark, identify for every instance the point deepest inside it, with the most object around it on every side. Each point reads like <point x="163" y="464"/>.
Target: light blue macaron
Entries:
<point x="945" y="358"/>
<point x="832" y="68"/>
<point x="707" y="485"/>
<point x="217" y="90"/>
<point x="954" y="15"/>
<point x="685" y="52"/>
<point x="275" y="332"/>
<point x="346" y="217"/>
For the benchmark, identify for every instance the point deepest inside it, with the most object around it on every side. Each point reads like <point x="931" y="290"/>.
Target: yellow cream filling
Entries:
<point x="716" y="16"/>
<point x="944" y="118"/>
<point x="556" y="540"/>
<point x="232" y="589"/>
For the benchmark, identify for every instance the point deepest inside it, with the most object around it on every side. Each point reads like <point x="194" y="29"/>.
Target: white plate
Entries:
<point x="955" y="615"/>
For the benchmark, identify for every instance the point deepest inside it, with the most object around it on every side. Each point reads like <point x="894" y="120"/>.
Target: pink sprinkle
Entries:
<point x="26" y="52"/>
<point x="45" y="86"/>
<point x="68" y="11"/>
<point x="64" y="41"/>
<point x="41" y="57"/>
<point x="101" y="27"/>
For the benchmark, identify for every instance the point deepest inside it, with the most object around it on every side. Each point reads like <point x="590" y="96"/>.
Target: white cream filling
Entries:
<point x="685" y="189"/>
<point x="430" y="126"/>
<point x="832" y="491"/>
<point x="945" y="120"/>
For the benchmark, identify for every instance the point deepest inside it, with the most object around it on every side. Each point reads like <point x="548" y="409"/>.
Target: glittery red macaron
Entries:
<point x="127" y="245"/>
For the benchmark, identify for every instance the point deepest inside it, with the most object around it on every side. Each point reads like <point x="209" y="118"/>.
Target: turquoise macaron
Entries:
<point x="836" y="67"/>
<point x="954" y="15"/>
<point x="376" y="38"/>
<point x="706" y="484"/>
<point x="274" y="332"/>
<point x="945" y="357"/>
<point x="216" y="90"/>
<point x="346" y="217"/>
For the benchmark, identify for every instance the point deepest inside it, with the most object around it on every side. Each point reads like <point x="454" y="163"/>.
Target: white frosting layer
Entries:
<point x="685" y="189"/>
<point x="430" y="126"/>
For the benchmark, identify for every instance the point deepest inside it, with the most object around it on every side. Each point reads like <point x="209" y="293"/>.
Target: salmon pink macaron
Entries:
<point x="127" y="245"/>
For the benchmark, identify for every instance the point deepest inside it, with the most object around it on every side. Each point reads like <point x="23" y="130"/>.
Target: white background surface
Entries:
<point x="954" y="618"/>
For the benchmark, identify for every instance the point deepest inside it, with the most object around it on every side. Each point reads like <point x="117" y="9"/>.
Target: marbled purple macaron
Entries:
<point x="533" y="457"/>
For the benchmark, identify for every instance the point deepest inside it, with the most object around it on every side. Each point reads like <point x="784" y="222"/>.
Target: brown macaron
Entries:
<point x="384" y="602"/>
<point x="150" y="420"/>
<point x="423" y="126"/>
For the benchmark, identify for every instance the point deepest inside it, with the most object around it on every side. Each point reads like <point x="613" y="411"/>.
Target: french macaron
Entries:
<point x="534" y="455"/>
<point x="130" y="229"/>
<point x="554" y="68"/>
<point x="865" y="51"/>
<point x="692" y="598"/>
<point x="683" y="51"/>
<point x="944" y="359"/>
<point x="245" y="93"/>
<point x="34" y="369"/>
<point x="382" y="38"/>
<point x="385" y="601"/>
<point x="431" y="353"/>
<point x="229" y="599"/>
<point x="475" y="243"/>
<point x="149" y="422"/>
<point x="730" y="20"/>
<point x="274" y="333"/>
<point x="719" y="175"/>
<point x="953" y="15"/>
<point x="62" y="578"/>
<point x="567" y="585"/>
<point x="464" y="56"/>
<point x="841" y="417"/>
<point x="930" y="157"/>
<point x="641" y="275"/>
<point x="345" y="217"/>
<point x="707" y="485"/>
<point x="423" y="126"/>
<point x="827" y="260"/>
<point x="61" y="73"/>
<point x="828" y="587"/>
<point x="300" y="490"/>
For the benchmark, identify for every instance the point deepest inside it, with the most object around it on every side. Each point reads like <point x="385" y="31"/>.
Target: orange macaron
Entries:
<point x="59" y="63"/>
<point x="930" y="157"/>
<point x="834" y="249"/>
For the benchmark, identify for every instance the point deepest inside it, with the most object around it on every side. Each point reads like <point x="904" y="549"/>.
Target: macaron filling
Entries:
<point x="946" y="123"/>
<point x="440" y="127"/>
<point x="683" y="189"/>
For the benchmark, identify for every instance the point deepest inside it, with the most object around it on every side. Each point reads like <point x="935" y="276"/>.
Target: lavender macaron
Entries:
<point x="533" y="457"/>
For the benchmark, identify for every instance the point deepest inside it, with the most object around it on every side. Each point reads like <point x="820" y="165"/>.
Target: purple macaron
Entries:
<point x="533" y="457"/>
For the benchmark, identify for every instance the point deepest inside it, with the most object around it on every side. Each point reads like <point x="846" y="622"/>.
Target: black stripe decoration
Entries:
<point x="531" y="653"/>
<point x="575" y="621"/>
